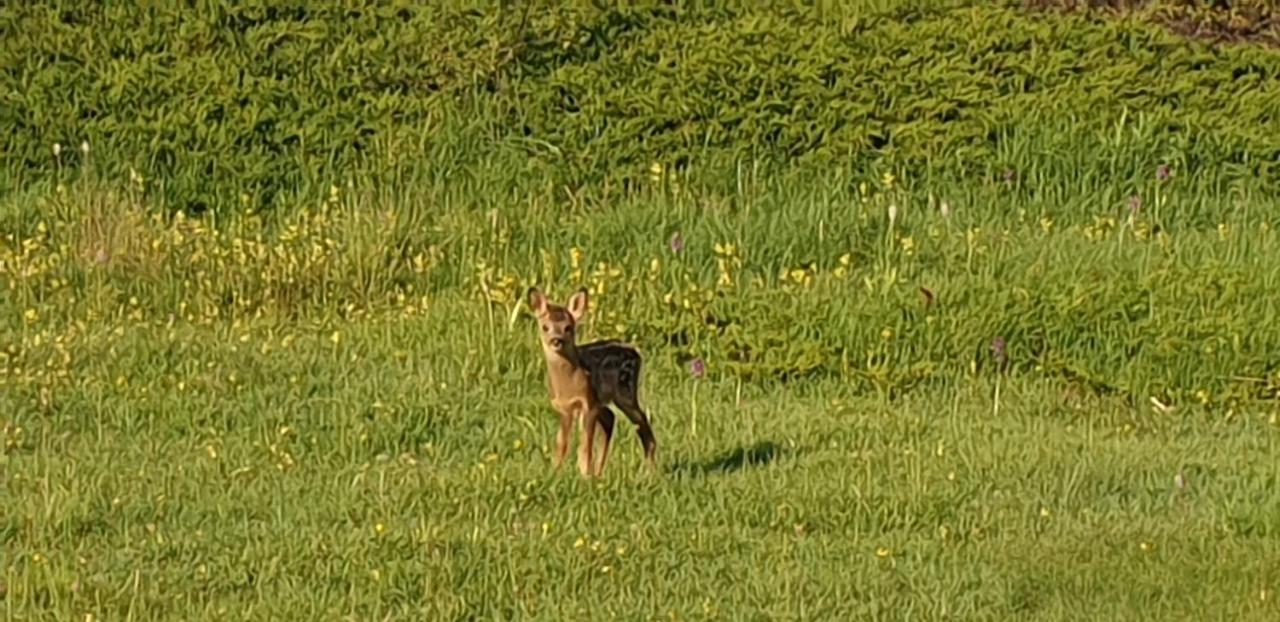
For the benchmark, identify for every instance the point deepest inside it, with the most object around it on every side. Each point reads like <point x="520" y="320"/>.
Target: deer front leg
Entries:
<point x="562" y="437"/>
<point x="586" y="442"/>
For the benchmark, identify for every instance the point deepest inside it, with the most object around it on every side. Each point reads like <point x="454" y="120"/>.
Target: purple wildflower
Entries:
<point x="677" y="242"/>
<point x="697" y="368"/>
<point x="998" y="350"/>
<point x="1135" y="204"/>
<point x="1010" y="175"/>
<point x="1163" y="172"/>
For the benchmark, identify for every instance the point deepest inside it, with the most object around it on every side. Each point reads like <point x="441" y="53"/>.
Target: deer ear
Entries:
<point x="537" y="301"/>
<point x="578" y="304"/>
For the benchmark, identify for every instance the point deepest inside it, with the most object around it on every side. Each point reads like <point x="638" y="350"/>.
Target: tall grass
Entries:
<point x="1038" y="387"/>
<point x="339" y="411"/>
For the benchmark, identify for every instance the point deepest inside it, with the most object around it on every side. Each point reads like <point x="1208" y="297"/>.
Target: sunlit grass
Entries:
<point x="340" y="410"/>
<point x="949" y="311"/>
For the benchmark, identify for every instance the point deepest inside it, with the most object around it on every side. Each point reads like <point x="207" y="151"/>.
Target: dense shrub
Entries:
<point x="233" y="102"/>
<point x="943" y="88"/>
<point x="233" y="98"/>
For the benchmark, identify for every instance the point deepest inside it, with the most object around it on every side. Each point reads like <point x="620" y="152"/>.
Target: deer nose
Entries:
<point x="557" y="342"/>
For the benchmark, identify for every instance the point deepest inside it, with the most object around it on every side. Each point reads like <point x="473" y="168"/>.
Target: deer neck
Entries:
<point x="562" y="369"/>
<point x="565" y="362"/>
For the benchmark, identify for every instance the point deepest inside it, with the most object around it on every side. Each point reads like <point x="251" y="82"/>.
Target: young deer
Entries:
<point x="584" y="379"/>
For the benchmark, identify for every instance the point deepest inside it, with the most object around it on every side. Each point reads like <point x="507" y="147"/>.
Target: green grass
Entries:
<point x="274" y="104"/>
<point x="335" y="408"/>
<point x="237" y="461"/>
<point x="155" y="502"/>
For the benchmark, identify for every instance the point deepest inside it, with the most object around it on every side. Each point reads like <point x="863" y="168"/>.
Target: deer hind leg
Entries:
<point x="617" y="379"/>
<point x="607" y="418"/>
<point x="628" y="399"/>
<point x="630" y="406"/>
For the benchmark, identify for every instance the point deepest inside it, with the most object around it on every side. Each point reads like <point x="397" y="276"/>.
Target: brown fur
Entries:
<point x="584" y="379"/>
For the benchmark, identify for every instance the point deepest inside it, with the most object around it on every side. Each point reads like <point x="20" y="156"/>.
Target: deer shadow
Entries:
<point x="732" y="461"/>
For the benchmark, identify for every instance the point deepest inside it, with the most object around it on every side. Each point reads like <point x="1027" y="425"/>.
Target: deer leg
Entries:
<point x="631" y="407"/>
<point x="562" y="438"/>
<point x="607" y="417"/>
<point x="586" y="444"/>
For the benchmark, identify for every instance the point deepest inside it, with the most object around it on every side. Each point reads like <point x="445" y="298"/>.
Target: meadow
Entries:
<point x="981" y="329"/>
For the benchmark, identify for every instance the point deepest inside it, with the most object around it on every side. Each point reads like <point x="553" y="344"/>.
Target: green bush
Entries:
<point x="942" y="89"/>
<point x="236" y="102"/>
<point x="235" y="99"/>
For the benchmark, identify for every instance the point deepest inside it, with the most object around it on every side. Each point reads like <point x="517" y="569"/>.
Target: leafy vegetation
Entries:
<point x="244" y="101"/>
<point x="978" y="297"/>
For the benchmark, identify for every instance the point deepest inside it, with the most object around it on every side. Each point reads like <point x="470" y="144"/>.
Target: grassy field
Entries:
<point x="1041" y="386"/>
<point x="191" y="432"/>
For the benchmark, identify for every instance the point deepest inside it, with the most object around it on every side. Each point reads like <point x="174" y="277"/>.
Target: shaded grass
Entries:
<point x="758" y="454"/>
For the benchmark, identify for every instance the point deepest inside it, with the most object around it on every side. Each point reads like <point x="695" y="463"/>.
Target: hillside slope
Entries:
<point x="267" y="102"/>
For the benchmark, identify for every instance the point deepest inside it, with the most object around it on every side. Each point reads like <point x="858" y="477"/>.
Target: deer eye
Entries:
<point x="545" y="328"/>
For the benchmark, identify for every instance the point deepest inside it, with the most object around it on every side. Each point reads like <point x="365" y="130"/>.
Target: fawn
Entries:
<point x="584" y="379"/>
